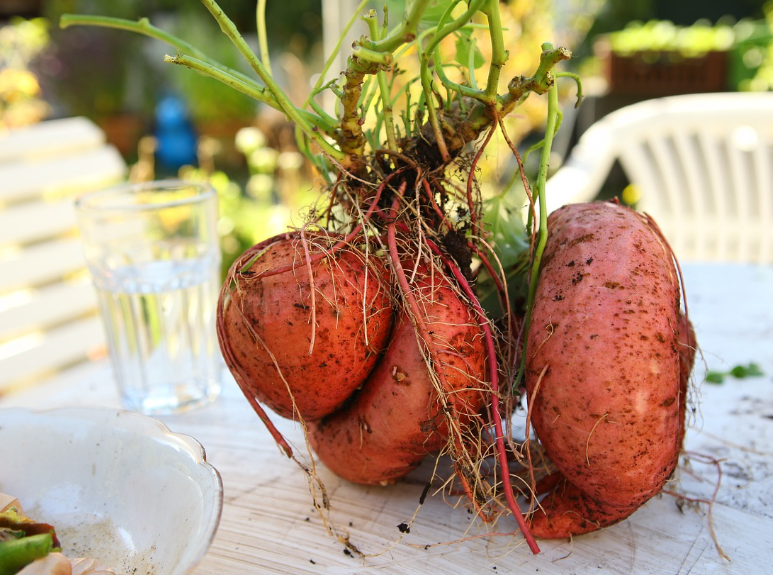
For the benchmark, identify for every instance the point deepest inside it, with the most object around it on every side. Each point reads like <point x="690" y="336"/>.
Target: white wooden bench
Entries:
<point x="702" y="164"/>
<point x="48" y="309"/>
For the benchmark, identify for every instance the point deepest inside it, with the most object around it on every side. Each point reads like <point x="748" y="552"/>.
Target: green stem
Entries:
<point x="451" y="85"/>
<point x="449" y="29"/>
<point x="385" y="24"/>
<point x="317" y="108"/>
<point x="405" y="33"/>
<point x="471" y="65"/>
<point x="319" y="161"/>
<point x="539" y="145"/>
<point x="542" y="80"/>
<point x="479" y="118"/>
<point x="368" y="94"/>
<point x="353" y="142"/>
<point x="15" y="554"/>
<point x="336" y="50"/>
<point x="542" y="233"/>
<point x="384" y="88"/>
<point x="577" y="81"/>
<point x="470" y="91"/>
<point x="293" y="113"/>
<point x="373" y="57"/>
<point x="429" y="54"/>
<point x="262" y="36"/>
<point x="144" y="27"/>
<point x="311" y="125"/>
<point x="426" y="78"/>
<point x="498" y="53"/>
<point x="434" y="121"/>
<point x="249" y="88"/>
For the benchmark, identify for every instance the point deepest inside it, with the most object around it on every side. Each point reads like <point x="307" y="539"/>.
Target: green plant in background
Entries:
<point x="209" y="102"/>
<point x="259" y="210"/>
<point x="738" y="372"/>
<point x="21" y="101"/>
<point x="663" y="36"/>
<point x="94" y="74"/>
<point x="754" y="55"/>
<point x="100" y="75"/>
<point x="744" y="47"/>
<point x="239" y="218"/>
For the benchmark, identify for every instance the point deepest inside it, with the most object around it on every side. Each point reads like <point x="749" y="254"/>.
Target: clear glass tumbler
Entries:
<point x="154" y="256"/>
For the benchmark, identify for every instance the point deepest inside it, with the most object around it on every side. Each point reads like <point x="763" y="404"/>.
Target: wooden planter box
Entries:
<point x="663" y="73"/>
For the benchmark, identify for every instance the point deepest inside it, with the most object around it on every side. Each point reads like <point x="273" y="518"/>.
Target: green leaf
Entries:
<point x="434" y="13"/>
<point x="398" y="8"/>
<point x="517" y="289"/>
<point x="741" y="371"/>
<point x="738" y="372"/>
<point x="502" y="217"/>
<point x="18" y="553"/>
<point x="464" y="44"/>
<point x="715" y="377"/>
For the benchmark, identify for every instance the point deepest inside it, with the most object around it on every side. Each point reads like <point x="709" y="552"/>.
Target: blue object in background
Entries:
<point x="175" y="134"/>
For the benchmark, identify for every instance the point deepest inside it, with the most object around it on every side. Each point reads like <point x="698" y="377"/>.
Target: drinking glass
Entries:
<point x="154" y="257"/>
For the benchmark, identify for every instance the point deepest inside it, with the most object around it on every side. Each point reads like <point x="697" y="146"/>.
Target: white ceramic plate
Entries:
<point x="116" y="485"/>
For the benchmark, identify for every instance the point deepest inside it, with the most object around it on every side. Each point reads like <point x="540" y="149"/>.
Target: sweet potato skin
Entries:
<point x="687" y="349"/>
<point x="271" y="316"/>
<point x="605" y="322"/>
<point x="397" y="418"/>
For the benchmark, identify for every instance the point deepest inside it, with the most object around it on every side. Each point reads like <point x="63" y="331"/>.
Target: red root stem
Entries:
<point x="470" y="203"/>
<point x="239" y="375"/>
<point x="524" y="179"/>
<point x="496" y="412"/>
<point x="313" y="291"/>
<point x="338" y="245"/>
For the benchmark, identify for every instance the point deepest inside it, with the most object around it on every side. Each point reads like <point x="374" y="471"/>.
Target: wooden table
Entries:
<point x="269" y="526"/>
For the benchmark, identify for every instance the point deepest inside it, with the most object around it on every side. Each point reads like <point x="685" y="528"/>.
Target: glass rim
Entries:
<point x="90" y="200"/>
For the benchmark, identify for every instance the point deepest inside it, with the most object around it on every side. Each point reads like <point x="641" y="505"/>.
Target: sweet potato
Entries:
<point x="270" y="319"/>
<point x="687" y="351"/>
<point x="605" y="323"/>
<point x="398" y="416"/>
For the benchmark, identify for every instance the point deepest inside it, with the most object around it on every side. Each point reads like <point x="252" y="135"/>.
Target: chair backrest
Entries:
<point x="701" y="163"/>
<point x="48" y="309"/>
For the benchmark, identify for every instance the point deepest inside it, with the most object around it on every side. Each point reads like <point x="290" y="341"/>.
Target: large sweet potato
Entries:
<point x="398" y="416"/>
<point x="609" y="408"/>
<point x="269" y="320"/>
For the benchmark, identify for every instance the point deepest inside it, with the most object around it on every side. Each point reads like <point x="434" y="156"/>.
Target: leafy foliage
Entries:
<point x="739" y="372"/>
<point x="465" y="45"/>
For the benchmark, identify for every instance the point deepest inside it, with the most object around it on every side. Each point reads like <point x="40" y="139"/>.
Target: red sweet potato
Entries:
<point x="398" y="417"/>
<point x="609" y="409"/>
<point x="270" y="318"/>
<point x="687" y="351"/>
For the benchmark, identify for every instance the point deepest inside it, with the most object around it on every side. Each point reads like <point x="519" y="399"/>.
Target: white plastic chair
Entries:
<point x="702" y="163"/>
<point x="48" y="309"/>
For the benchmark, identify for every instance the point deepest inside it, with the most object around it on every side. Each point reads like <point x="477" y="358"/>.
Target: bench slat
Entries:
<point x="66" y="345"/>
<point x="50" y="138"/>
<point x="82" y="172"/>
<point x="50" y="306"/>
<point x="40" y="264"/>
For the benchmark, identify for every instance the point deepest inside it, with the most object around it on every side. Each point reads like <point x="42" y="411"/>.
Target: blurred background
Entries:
<point x="168" y="121"/>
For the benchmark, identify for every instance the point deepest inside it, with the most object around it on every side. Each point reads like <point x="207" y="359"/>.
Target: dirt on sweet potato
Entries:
<point x="301" y="328"/>
<point x="609" y="409"/>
